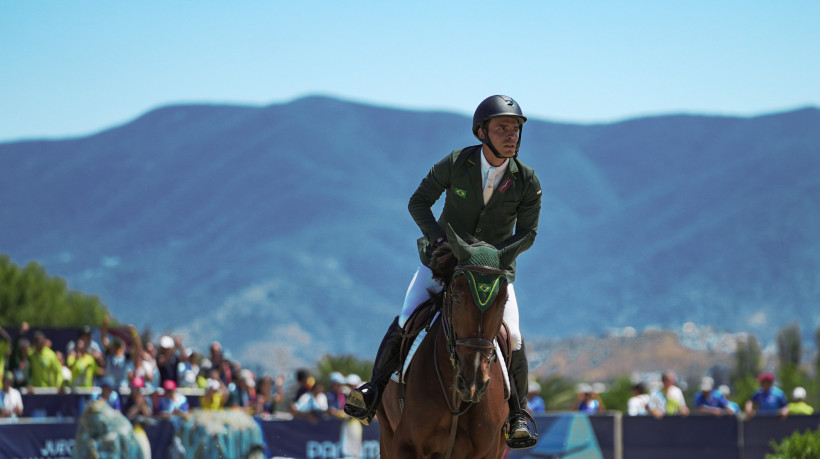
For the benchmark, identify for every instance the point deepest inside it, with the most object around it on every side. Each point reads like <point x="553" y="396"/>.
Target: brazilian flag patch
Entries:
<point x="461" y="193"/>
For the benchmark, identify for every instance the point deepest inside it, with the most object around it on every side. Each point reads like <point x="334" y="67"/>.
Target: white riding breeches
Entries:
<point x="423" y="282"/>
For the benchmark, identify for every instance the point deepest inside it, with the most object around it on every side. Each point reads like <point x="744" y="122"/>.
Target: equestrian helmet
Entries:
<point x="493" y="107"/>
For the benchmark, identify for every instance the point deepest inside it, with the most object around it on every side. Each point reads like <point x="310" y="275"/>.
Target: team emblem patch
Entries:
<point x="461" y="193"/>
<point x="485" y="287"/>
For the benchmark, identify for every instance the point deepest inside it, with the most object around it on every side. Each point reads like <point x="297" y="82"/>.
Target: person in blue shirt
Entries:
<point x="107" y="393"/>
<point x="769" y="399"/>
<point x="589" y="401"/>
<point x="724" y="389"/>
<point x="710" y="400"/>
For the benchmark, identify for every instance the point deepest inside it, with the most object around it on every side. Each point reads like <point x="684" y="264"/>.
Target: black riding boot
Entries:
<point x="519" y="435"/>
<point x="363" y="401"/>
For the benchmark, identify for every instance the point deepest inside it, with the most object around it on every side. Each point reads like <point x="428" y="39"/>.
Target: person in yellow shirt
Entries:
<point x="44" y="368"/>
<point x="216" y="394"/>
<point x="84" y="367"/>
<point x="799" y="405"/>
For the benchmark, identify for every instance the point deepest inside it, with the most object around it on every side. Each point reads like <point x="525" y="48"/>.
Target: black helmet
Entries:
<point x="493" y="107"/>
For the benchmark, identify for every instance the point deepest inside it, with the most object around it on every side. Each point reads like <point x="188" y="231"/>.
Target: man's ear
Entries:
<point x="480" y="133"/>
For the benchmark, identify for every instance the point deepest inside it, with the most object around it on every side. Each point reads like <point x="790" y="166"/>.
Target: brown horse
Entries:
<point x="454" y="398"/>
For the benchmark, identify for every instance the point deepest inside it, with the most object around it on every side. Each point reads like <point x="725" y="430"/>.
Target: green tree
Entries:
<point x="31" y="295"/>
<point x="747" y="367"/>
<point x="345" y="364"/>
<point x="558" y="393"/>
<point x="789" y="346"/>
<point x="789" y="353"/>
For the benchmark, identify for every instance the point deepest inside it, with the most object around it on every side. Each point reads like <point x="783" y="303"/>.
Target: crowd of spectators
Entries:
<point x="142" y="380"/>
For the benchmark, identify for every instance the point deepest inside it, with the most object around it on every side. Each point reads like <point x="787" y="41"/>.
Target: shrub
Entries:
<point x="805" y="445"/>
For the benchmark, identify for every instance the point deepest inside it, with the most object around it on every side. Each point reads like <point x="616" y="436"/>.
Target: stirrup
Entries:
<point x="521" y="442"/>
<point x="356" y="407"/>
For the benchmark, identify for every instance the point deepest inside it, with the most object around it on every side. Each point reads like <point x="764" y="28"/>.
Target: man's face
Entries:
<point x="503" y="133"/>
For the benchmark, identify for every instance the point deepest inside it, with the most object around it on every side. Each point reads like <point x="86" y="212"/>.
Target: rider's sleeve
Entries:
<point x="428" y="192"/>
<point x="528" y="214"/>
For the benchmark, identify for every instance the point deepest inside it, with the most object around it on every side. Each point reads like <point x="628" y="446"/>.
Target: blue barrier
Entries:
<point x="566" y="435"/>
<point x="55" y="438"/>
<point x="563" y="435"/>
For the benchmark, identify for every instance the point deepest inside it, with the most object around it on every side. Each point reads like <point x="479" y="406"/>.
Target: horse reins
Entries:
<point x="477" y="344"/>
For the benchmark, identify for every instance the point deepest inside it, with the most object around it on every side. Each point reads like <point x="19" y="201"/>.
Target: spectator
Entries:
<point x="107" y="393"/>
<point x="243" y="391"/>
<point x="11" y="402"/>
<point x="535" y="403"/>
<point x="304" y="381"/>
<point x="18" y="362"/>
<point x="710" y="400"/>
<point x="92" y="347"/>
<point x="336" y="395"/>
<point x="311" y="404"/>
<point x="216" y="394"/>
<point x="66" y="370"/>
<point x="171" y="353"/>
<point x="188" y="369"/>
<point x="5" y="348"/>
<point x="668" y="400"/>
<point x="216" y="358"/>
<point x="269" y="392"/>
<point x="724" y="389"/>
<point x="137" y="405"/>
<point x="44" y="368"/>
<point x="638" y="404"/>
<point x="118" y="364"/>
<point x="799" y="405"/>
<point x="172" y="403"/>
<point x="768" y="399"/>
<point x="84" y="367"/>
<point x="146" y="368"/>
<point x="589" y="401"/>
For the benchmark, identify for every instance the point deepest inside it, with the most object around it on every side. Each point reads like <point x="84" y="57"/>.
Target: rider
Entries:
<point x="492" y="196"/>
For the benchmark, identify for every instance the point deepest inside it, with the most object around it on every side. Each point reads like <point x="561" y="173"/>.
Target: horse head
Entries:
<point x="474" y="302"/>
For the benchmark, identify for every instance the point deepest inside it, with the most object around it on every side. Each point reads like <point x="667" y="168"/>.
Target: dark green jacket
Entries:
<point x="510" y="215"/>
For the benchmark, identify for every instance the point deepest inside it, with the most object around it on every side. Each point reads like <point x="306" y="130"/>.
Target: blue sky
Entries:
<point x="74" y="68"/>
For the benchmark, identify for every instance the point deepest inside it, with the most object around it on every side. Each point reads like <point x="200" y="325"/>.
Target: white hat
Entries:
<point x="707" y="383"/>
<point x="799" y="393"/>
<point x="584" y="388"/>
<point x="337" y="378"/>
<point x="248" y="376"/>
<point x="353" y="379"/>
<point x="724" y="389"/>
<point x="166" y="342"/>
<point x="213" y="384"/>
<point x="534" y="387"/>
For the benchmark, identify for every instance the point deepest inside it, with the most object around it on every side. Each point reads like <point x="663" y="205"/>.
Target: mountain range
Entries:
<point x="282" y="231"/>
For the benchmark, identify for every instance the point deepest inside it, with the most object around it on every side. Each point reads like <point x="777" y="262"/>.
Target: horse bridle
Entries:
<point x="484" y="346"/>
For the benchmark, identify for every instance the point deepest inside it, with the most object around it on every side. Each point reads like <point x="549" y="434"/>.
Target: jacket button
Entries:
<point x="478" y="231"/>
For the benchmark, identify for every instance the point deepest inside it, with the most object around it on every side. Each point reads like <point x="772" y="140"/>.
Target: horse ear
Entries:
<point x="507" y="254"/>
<point x="461" y="249"/>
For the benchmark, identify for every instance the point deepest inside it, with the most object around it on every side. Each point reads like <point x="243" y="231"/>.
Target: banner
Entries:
<point x="326" y="439"/>
<point x="43" y="440"/>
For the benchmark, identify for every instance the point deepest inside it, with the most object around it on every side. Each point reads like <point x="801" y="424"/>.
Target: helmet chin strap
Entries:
<point x="486" y="141"/>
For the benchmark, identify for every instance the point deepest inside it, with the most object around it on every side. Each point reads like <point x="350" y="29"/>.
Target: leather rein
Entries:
<point x="486" y="347"/>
